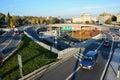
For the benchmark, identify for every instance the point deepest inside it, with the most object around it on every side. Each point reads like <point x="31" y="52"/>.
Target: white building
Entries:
<point x="82" y="19"/>
<point x="118" y="17"/>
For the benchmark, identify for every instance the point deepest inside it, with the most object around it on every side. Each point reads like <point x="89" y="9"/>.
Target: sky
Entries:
<point x="62" y="8"/>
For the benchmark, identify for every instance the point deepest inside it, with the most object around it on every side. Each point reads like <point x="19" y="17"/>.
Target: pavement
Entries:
<point x="112" y="72"/>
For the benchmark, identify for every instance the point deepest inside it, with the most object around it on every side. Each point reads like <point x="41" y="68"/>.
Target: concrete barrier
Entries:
<point x="42" y="44"/>
<point x="118" y="72"/>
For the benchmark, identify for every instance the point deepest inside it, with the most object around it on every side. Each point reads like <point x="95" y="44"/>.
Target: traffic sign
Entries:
<point x="67" y="28"/>
<point x="70" y="28"/>
<point x="64" y="28"/>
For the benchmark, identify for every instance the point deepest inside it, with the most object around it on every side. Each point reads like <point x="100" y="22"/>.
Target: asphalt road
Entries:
<point x="9" y="42"/>
<point x="70" y="69"/>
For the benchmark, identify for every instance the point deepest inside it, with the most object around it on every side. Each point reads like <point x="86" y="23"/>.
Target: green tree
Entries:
<point x="33" y="21"/>
<point x="7" y="19"/>
<point x="52" y="20"/>
<point x="2" y="19"/>
<point x="108" y="21"/>
<point x="15" y="20"/>
<point x="86" y="22"/>
<point x="42" y="20"/>
<point x="11" y="23"/>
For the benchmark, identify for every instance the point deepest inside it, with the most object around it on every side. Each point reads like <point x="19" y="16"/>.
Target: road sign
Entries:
<point x="70" y="28"/>
<point x="67" y="28"/>
<point x="64" y="27"/>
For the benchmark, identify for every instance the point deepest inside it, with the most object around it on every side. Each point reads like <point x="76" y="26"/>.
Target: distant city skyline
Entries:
<point x="62" y="8"/>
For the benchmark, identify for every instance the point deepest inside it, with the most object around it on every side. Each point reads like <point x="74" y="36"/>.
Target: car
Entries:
<point x="89" y="60"/>
<point x="106" y="43"/>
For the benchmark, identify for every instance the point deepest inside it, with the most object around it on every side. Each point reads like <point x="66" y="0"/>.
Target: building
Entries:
<point x="118" y="17"/>
<point x="82" y="19"/>
<point x="86" y="17"/>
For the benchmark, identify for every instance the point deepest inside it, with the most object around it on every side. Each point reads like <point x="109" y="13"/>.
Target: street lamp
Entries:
<point x="55" y="35"/>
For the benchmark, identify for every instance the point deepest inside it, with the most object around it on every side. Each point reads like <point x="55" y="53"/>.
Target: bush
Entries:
<point x="87" y="22"/>
<point x="109" y="21"/>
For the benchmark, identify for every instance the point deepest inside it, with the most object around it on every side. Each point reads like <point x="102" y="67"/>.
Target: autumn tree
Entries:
<point x="15" y="20"/>
<point x="108" y="21"/>
<point x="42" y="20"/>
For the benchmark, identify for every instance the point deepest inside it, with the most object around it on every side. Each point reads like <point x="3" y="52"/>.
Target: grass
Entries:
<point x="33" y="57"/>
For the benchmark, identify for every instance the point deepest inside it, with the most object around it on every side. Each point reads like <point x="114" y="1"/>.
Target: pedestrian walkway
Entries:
<point x="113" y="66"/>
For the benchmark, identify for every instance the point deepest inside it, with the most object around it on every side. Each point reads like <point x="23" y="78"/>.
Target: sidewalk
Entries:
<point x="113" y="66"/>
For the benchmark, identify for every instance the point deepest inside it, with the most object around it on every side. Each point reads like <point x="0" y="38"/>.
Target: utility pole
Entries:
<point x="20" y="65"/>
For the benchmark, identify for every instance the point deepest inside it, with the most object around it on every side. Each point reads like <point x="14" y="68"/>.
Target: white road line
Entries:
<point x="78" y="57"/>
<point x="7" y="43"/>
<point x="108" y="60"/>
<point x="72" y="73"/>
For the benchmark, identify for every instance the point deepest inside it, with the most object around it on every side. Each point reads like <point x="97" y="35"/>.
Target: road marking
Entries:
<point x="102" y="76"/>
<point x="72" y="73"/>
<point x="99" y="46"/>
<point x="78" y="57"/>
<point x="8" y="43"/>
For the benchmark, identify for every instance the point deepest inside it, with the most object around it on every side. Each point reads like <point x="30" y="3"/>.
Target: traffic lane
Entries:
<point x="65" y="69"/>
<point x="6" y="37"/>
<point x="6" y="42"/>
<point x="93" y="46"/>
<point x="95" y="74"/>
<point x="33" y="33"/>
<point x="61" y="71"/>
<point x="12" y="45"/>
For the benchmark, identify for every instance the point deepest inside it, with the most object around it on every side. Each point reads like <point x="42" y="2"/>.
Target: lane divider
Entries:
<point x="106" y="66"/>
<point x="78" y="56"/>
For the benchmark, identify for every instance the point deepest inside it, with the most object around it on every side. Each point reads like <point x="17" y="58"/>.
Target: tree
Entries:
<point x="33" y="21"/>
<point x="7" y="19"/>
<point x="15" y="20"/>
<point x="114" y="18"/>
<point x="52" y="20"/>
<point x="86" y="22"/>
<point x="108" y="21"/>
<point x="42" y="20"/>
<point x="11" y="23"/>
<point x="2" y="19"/>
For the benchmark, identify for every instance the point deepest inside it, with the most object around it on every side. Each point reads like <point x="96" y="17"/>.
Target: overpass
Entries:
<point x="75" y="27"/>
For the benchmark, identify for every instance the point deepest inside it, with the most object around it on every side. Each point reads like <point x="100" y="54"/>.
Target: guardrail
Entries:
<point x="79" y="47"/>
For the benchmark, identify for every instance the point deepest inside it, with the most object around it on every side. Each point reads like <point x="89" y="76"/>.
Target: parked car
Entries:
<point x="89" y="60"/>
<point x="106" y="43"/>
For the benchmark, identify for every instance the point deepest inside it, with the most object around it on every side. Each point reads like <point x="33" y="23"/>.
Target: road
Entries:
<point x="70" y="69"/>
<point x="9" y="42"/>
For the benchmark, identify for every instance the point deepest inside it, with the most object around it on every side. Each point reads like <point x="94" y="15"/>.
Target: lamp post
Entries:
<point x="55" y="35"/>
<point x="20" y="65"/>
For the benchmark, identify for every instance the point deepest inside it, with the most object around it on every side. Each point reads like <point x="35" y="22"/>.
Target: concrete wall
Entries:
<point x="69" y="51"/>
